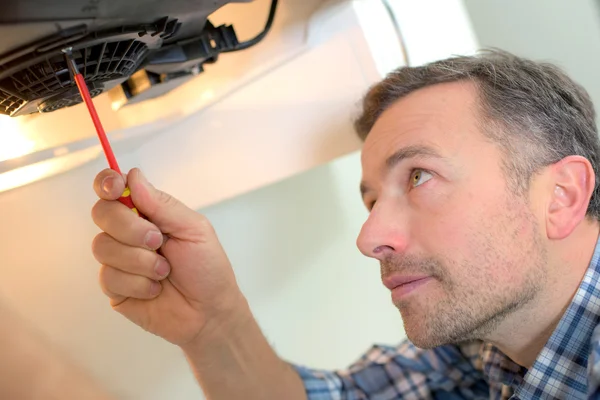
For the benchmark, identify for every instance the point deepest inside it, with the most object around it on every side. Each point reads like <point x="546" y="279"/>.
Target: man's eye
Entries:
<point x="419" y="177"/>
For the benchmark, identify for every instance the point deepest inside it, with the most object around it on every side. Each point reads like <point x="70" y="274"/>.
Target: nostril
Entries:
<point x="380" y="249"/>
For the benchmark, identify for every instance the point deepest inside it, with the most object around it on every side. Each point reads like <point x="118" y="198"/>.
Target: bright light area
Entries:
<point x="208" y="94"/>
<point x="443" y="33"/>
<point x="13" y="143"/>
<point x="34" y="172"/>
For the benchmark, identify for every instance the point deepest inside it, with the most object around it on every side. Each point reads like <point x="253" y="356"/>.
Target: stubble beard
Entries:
<point x="466" y="311"/>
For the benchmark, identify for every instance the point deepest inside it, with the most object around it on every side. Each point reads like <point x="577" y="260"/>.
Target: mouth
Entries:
<point x="402" y="285"/>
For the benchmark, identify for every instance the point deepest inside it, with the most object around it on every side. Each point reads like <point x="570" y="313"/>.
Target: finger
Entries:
<point x="109" y="184"/>
<point x="119" y="222"/>
<point x="118" y="285"/>
<point x="170" y="215"/>
<point x="133" y="260"/>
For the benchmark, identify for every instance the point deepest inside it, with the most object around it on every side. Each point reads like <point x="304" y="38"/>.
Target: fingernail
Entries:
<point x="153" y="240"/>
<point x="162" y="267"/>
<point x="107" y="184"/>
<point x="155" y="288"/>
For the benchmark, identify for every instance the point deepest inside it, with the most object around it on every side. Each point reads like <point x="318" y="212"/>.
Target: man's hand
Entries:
<point x="175" y="292"/>
<point x="186" y="292"/>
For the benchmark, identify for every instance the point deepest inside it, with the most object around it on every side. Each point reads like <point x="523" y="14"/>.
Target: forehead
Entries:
<point x="442" y="116"/>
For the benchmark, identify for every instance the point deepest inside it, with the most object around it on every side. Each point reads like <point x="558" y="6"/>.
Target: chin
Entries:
<point x="424" y="333"/>
<point x="425" y="342"/>
<point x="434" y="332"/>
<point x="417" y="332"/>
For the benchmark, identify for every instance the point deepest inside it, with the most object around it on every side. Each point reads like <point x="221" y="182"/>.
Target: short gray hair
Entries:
<point x="533" y="110"/>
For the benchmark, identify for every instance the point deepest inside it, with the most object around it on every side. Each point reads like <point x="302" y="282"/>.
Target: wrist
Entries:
<point x="224" y="325"/>
<point x="232" y="359"/>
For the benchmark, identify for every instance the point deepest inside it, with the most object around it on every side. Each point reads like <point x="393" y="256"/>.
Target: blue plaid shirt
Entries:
<point x="568" y="367"/>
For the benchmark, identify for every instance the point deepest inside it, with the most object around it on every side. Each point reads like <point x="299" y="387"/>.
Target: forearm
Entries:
<point x="234" y="361"/>
<point x="30" y="368"/>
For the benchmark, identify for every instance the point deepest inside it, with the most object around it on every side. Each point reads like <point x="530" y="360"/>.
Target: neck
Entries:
<point x="523" y="335"/>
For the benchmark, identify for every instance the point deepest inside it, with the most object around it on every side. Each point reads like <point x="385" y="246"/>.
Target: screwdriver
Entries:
<point x="85" y="95"/>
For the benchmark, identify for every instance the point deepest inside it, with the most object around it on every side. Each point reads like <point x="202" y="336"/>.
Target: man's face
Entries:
<point x="459" y="250"/>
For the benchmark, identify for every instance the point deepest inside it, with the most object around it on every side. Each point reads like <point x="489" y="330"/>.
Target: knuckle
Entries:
<point x="103" y="274"/>
<point x="166" y="199"/>
<point x="97" y="245"/>
<point x="97" y="212"/>
<point x="141" y="260"/>
<point x="103" y="279"/>
<point x="205" y="224"/>
<point x="205" y="229"/>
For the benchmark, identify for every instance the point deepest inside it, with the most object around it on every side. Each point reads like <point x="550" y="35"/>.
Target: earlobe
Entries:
<point x="573" y="179"/>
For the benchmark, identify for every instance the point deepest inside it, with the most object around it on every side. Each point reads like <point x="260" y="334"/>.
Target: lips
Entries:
<point x="403" y="285"/>
<point x="393" y="281"/>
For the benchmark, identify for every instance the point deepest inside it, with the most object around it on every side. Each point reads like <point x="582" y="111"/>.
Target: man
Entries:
<point x="479" y="174"/>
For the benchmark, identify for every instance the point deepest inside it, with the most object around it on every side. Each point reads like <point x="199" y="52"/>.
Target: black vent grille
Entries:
<point x="50" y="76"/>
<point x="9" y="103"/>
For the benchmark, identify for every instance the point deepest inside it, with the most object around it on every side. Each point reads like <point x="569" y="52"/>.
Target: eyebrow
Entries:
<point x="405" y="153"/>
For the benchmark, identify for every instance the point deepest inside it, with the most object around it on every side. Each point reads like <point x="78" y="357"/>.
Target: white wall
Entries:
<point x="564" y="32"/>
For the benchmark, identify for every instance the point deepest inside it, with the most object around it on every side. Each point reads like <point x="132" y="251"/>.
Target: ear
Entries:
<point x="573" y="181"/>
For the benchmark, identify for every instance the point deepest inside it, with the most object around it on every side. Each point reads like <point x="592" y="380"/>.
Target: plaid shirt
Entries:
<point x="568" y="367"/>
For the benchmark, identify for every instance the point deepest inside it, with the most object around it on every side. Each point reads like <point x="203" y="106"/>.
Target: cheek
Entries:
<point x="479" y="234"/>
<point x="444" y="223"/>
<point x="502" y="247"/>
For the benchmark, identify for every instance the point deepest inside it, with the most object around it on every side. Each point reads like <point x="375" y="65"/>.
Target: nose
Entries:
<point x="384" y="233"/>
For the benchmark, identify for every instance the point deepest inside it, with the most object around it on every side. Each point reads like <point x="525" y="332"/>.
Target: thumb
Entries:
<point x="170" y="215"/>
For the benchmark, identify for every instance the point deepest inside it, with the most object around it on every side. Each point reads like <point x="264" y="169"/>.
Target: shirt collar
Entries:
<point x="500" y="369"/>
<point x="561" y="368"/>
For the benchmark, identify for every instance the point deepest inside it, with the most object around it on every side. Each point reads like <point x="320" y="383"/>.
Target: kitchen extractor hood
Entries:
<point x="140" y="48"/>
<point x="256" y="116"/>
<point x="128" y="52"/>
